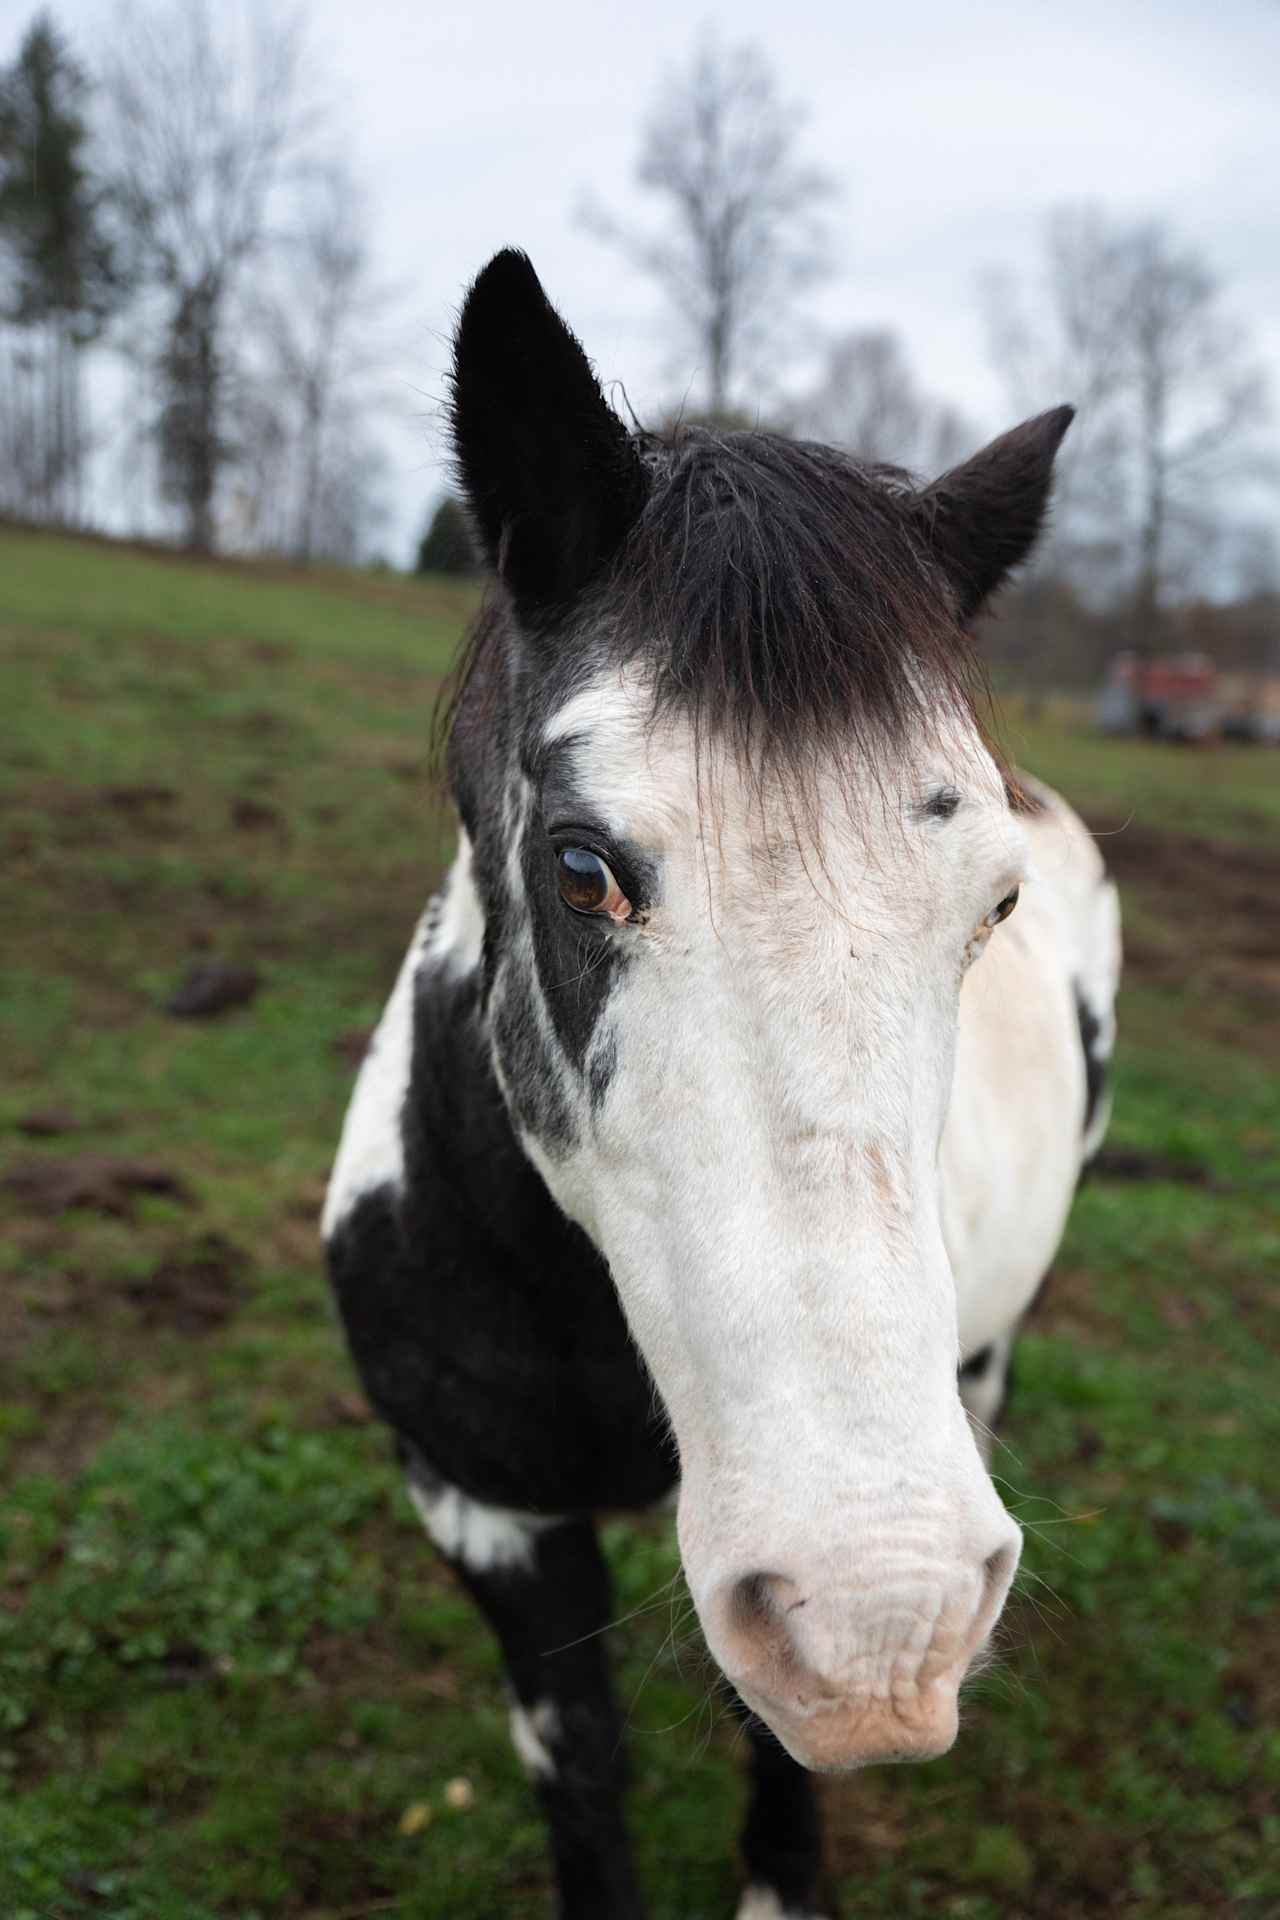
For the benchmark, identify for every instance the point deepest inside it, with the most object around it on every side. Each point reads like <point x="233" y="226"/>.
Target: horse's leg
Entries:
<point x="544" y="1589"/>
<point x="985" y="1379"/>
<point x="782" y="1838"/>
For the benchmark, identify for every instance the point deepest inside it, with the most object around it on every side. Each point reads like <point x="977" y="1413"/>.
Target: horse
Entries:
<point x="724" y="1117"/>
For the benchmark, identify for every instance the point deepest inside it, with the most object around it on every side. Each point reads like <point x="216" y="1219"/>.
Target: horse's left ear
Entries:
<point x="982" y="518"/>
<point x="551" y="475"/>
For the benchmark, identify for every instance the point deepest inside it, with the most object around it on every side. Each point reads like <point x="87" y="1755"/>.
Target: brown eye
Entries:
<point x="1005" y="908"/>
<point x="587" y="885"/>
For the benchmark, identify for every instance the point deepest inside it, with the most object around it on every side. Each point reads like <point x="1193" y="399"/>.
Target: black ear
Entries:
<point x="982" y="518"/>
<point x="552" y="478"/>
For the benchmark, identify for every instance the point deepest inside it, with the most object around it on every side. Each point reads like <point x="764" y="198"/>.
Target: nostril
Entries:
<point x="758" y="1638"/>
<point x="999" y="1567"/>
<point x="752" y="1601"/>
<point x="997" y="1571"/>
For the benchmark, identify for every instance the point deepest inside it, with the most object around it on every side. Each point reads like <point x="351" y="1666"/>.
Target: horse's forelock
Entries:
<point x="778" y="597"/>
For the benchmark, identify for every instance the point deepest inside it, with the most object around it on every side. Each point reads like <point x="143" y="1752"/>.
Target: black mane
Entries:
<point x="775" y="593"/>
<point x="784" y="599"/>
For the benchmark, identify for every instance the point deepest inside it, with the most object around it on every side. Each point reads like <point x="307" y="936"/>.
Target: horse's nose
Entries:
<point x="849" y="1676"/>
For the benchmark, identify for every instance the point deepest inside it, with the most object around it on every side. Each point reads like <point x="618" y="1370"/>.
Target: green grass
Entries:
<point x="1227" y="791"/>
<point x="233" y="1681"/>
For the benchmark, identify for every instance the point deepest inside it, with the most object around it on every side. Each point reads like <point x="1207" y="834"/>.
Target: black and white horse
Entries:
<point x="718" y="1129"/>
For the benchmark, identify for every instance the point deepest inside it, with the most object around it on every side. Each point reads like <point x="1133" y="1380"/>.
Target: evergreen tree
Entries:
<point x="61" y="285"/>
<point x="446" y="545"/>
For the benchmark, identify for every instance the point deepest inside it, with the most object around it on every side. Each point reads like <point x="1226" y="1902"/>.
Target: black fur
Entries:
<point x="550" y="1620"/>
<point x="976" y="1365"/>
<point x="782" y="1834"/>
<point x="1095" y="1061"/>
<point x="483" y="1322"/>
<point x="552" y="478"/>
<point x="983" y="517"/>
<point x="779" y="594"/>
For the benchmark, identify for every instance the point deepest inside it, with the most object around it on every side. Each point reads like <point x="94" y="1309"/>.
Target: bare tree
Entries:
<point x="1198" y="405"/>
<point x="203" y="112"/>
<point x="1129" y="326"/>
<point x="868" y="401"/>
<point x="1063" y="338"/>
<point x="743" y="233"/>
<point x="326" y="331"/>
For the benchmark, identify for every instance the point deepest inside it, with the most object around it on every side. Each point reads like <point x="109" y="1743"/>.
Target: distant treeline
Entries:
<point x="183" y="220"/>
<point x="1043" y="638"/>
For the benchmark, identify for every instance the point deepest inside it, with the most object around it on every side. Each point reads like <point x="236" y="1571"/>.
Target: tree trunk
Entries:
<point x="1146" y="599"/>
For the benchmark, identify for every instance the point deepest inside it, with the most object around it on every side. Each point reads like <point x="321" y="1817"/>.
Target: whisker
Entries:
<point x="651" y="1605"/>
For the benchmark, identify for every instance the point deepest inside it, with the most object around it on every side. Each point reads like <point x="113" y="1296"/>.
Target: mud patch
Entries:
<point x="47" y="1123"/>
<point x="1129" y="1163"/>
<point x="254" y="816"/>
<point x="138" y="799"/>
<point x="1222" y="897"/>
<point x="212" y="987"/>
<point x="195" y="1290"/>
<point x="98" y="1181"/>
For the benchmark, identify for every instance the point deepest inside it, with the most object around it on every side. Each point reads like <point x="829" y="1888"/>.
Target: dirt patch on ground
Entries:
<point x="1218" y="908"/>
<point x="197" y="1289"/>
<point x="1190" y="879"/>
<point x="101" y="1182"/>
<point x="47" y="1123"/>
<point x="212" y="987"/>
<point x="194" y="1286"/>
<point x="1130" y="1163"/>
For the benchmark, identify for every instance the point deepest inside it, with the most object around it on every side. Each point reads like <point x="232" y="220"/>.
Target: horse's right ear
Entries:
<point x="553" y="481"/>
<point x="982" y="518"/>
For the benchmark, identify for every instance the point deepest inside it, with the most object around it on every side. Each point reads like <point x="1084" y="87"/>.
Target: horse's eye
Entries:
<point x="587" y="885"/>
<point x="1005" y="908"/>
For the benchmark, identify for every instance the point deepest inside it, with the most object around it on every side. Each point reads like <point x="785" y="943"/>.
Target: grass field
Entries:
<point x="233" y="1682"/>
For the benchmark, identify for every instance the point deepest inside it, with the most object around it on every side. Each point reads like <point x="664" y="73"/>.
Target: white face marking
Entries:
<point x="533" y="1734"/>
<point x="371" y="1151"/>
<point x="762" y="1177"/>
<point x="480" y="1536"/>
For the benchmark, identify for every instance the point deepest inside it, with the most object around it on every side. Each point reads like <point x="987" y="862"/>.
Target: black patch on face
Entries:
<point x="976" y="1365"/>
<point x="604" y="1064"/>
<point x="530" y="1070"/>
<point x="577" y="959"/>
<point x="1095" y="1064"/>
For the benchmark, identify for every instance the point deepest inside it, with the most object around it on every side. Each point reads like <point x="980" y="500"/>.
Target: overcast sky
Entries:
<point x="950" y="128"/>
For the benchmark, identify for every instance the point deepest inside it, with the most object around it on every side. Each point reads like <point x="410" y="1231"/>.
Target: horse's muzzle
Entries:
<point x="853" y="1676"/>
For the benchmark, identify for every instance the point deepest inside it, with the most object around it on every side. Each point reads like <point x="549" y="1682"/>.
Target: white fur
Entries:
<point x="800" y="1264"/>
<point x="533" y="1733"/>
<point x="480" y="1536"/>
<point x="371" y="1150"/>
<point x="762" y="1903"/>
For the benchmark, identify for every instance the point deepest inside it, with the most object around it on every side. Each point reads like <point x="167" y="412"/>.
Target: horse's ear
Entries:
<point x="982" y="518"/>
<point x="552" y="478"/>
